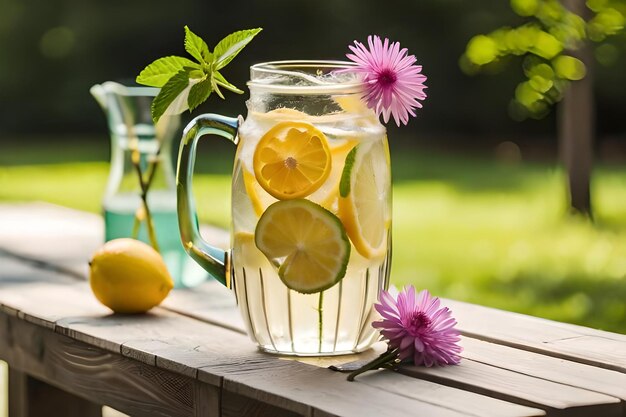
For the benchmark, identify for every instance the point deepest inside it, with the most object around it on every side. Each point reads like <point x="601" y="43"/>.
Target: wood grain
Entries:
<point x="91" y="373"/>
<point x="33" y="230"/>
<point x="186" y="346"/>
<point x="224" y="358"/>
<point x="452" y="398"/>
<point x="562" y="340"/>
<point x="240" y="406"/>
<point x="262" y="373"/>
<point x="556" y="399"/>
<point x="546" y="367"/>
<point x="210" y="302"/>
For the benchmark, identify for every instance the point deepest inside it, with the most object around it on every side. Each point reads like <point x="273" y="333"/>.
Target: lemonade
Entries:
<point x="310" y="231"/>
<point x="311" y="208"/>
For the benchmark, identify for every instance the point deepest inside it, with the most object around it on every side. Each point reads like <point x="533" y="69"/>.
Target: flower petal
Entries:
<point x="393" y="82"/>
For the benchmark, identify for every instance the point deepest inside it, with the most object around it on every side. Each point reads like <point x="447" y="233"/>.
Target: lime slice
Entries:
<point x="364" y="198"/>
<point x="307" y="242"/>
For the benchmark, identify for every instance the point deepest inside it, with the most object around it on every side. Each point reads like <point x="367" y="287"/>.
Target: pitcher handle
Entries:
<point x="213" y="259"/>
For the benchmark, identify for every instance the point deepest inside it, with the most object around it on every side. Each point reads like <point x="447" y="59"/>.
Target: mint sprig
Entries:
<point x="186" y="84"/>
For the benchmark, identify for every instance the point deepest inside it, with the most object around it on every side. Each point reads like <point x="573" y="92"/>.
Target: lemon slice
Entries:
<point x="260" y="199"/>
<point x="307" y="242"/>
<point x="282" y="113"/>
<point x="328" y="194"/>
<point x="351" y="103"/>
<point x="364" y="199"/>
<point x="244" y="203"/>
<point x="292" y="160"/>
<point x="245" y="252"/>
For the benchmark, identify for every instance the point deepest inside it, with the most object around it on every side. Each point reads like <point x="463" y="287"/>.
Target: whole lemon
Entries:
<point x="128" y="276"/>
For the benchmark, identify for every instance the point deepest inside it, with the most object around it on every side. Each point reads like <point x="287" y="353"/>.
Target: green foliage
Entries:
<point x="231" y="45"/>
<point x="545" y="42"/>
<point x="172" y="89"/>
<point x="196" y="47"/>
<point x="186" y="84"/>
<point x="161" y="70"/>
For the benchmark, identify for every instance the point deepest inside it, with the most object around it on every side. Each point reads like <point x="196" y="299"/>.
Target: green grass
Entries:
<point x="466" y="228"/>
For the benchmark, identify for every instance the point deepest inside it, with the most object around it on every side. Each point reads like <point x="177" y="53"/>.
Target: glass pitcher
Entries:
<point x="311" y="209"/>
<point x="132" y="131"/>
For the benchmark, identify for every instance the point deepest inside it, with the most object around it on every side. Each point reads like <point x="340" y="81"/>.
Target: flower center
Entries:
<point x="387" y="77"/>
<point x="418" y="322"/>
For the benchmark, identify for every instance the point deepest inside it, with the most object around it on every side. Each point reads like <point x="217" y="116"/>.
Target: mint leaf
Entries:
<point x="231" y="45"/>
<point x="195" y="73"/>
<point x="170" y="91"/>
<point x="216" y="89"/>
<point x="199" y="93"/>
<point x="187" y="84"/>
<point x="221" y="81"/>
<point x="161" y="70"/>
<point x="197" y="47"/>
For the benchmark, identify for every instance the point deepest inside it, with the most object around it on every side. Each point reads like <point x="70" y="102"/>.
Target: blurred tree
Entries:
<point x="557" y="59"/>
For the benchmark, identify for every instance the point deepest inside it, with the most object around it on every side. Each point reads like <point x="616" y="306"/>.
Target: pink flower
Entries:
<point x="393" y="81"/>
<point x="418" y="328"/>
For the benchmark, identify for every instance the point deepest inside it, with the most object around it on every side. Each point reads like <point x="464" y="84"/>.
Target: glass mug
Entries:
<point x="311" y="209"/>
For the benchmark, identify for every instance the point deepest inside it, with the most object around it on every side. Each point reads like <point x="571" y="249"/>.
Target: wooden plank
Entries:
<point x="44" y="302"/>
<point x="306" y="389"/>
<point x="556" y="399"/>
<point x="225" y="358"/>
<point x="29" y="397"/>
<point x="183" y="345"/>
<point x="14" y="271"/>
<point x="182" y="348"/>
<point x="562" y="340"/>
<point x="4" y="389"/>
<point x="47" y="222"/>
<point x="121" y="333"/>
<point x="82" y="232"/>
<point x="18" y="399"/>
<point x="207" y="400"/>
<point x="94" y="374"/>
<point x="453" y="398"/>
<point x="210" y="302"/>
<point x="546" y="367"/>
<point x="24" y="224"/>
<point x="240" y="406"/>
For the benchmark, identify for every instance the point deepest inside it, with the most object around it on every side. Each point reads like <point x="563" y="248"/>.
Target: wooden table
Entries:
<point x="68" y="355"/>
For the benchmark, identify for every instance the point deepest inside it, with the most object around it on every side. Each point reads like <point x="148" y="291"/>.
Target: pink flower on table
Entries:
<point x="419" y="328"/>
<point x="394" y="84"/>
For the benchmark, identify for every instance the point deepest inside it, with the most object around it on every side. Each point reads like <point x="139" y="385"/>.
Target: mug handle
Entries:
<point x="213" y="259"/>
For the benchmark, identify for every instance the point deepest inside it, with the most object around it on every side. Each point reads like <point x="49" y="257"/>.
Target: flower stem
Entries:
<point x="145" y="187"/>
<point x="387" y="359"/>
<point x="137" y="223"/>
<point x="320" y="315"/>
